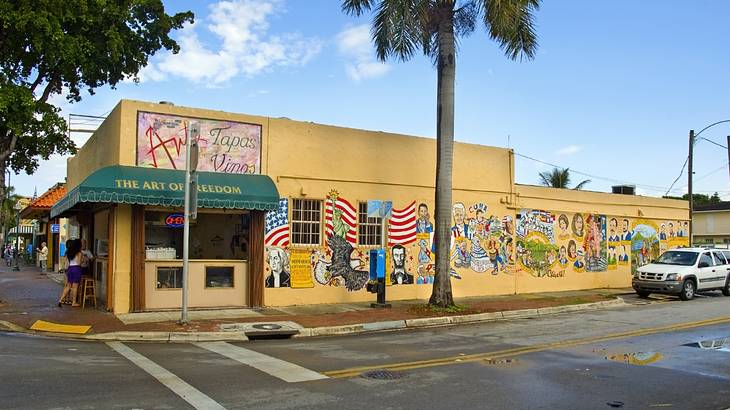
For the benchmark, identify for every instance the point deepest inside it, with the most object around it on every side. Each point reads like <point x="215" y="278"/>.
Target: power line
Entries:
<point x="680" y="176"/>
<point x="648" y="187"/>
<point x="713" y="142"/>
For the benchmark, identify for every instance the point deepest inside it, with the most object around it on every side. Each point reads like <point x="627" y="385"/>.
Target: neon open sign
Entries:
<point x="175" y="220"/>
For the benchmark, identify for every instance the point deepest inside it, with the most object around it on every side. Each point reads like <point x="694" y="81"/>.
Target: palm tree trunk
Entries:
<point x="441" y="294"/>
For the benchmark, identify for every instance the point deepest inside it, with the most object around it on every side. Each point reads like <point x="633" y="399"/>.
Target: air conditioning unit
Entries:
<point x="624" y="189"/>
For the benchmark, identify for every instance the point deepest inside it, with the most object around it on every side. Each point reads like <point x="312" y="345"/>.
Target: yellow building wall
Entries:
<point x="313" y="161"/>
<point x="122" y="275"/>
<point x="711" y="226"/>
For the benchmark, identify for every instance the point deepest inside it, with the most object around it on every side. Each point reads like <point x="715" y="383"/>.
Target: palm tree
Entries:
<point x="560" y="178"/>
<point x="400" y="28"/>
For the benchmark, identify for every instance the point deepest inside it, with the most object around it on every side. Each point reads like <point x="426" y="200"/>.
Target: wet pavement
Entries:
<point x="636" y="357"/>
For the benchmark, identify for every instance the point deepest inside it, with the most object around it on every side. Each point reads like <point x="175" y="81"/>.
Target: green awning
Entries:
<point x="165" y="187"/>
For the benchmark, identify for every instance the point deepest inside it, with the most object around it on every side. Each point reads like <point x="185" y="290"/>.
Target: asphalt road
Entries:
<point x="642" y="356"/>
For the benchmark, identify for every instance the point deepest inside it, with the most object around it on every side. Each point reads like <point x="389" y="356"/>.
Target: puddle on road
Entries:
<point x="721" y="344"/>
<point x="638" y="358"/>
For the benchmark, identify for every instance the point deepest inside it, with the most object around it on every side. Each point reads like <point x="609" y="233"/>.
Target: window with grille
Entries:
<point x="368" y="229"/>
<point x="306" y="217"/>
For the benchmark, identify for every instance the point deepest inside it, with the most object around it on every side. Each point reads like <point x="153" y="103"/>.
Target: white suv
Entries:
<point x="683" y="271"/>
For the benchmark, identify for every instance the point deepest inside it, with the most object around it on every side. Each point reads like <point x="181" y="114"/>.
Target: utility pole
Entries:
<point x="689" y="181"/>
<point x="191" y="208"/>
<point x="728" y="153"/>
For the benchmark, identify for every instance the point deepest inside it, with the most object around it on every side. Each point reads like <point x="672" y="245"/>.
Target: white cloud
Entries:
<point x="569" y="150"/>
<point x="354" y="45"/>
<point x="245" y="45"/>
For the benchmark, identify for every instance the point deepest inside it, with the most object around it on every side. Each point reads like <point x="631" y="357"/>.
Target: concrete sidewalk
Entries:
<point x="30" y="295"/>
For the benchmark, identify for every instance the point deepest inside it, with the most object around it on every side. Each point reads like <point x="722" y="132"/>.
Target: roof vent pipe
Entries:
<point x="167" y="103"/>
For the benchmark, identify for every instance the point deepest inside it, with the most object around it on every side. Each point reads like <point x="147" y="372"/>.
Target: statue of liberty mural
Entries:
<point x="338" y="225"/>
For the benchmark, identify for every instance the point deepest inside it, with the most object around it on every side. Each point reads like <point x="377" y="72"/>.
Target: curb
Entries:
<point x="185" y="337"/>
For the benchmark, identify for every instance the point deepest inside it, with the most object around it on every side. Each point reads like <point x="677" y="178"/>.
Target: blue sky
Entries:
<point x="613" y="91"/>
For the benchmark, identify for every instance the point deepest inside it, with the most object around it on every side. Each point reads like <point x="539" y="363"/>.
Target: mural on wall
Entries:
<point x="594" y="243"/>
<point x="644" y="243"/>
<point x="537" y="252"/>
<point x="480" y="243"/>
<point x="613" y="242"/>
<point x="340" y="269"/>
<point x="340" y="218"/>
<point x="278" y="266"/>
<point x="425" y="259"/>
<point x="225" y="146"/>
<point x="402" y="226"/>
<point x="276" y="226"/>
<point x="300" y="269"/>
<point x="399" y="274"/>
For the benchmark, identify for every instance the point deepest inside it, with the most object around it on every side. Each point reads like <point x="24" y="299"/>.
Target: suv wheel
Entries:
<point x="726" y="289"/>
<point x="688" y="290"/>
<point x="643" y="294"/>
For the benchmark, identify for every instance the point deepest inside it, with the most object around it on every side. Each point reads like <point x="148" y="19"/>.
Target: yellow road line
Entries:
<point x="356" y="371"/>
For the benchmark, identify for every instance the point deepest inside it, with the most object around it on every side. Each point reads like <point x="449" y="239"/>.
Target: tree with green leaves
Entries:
<point x="8" y="218"/>
<point x="400" y="29"/>
<point x="65" y="47"/>
<point x="560" y="178"/>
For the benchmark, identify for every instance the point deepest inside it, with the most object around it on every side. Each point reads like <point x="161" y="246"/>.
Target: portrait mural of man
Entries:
<point x="399" y="275"/>
<point x="460" y="228"/>
<point x="278" y="262"/>
<point x="423" y="224"/>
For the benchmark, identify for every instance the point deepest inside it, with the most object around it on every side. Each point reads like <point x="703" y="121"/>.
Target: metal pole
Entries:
<point x="689" y="181"/>
<point x="728" y="153"/>
<point x="186" y="232"/>
<point x="17" y="241"/>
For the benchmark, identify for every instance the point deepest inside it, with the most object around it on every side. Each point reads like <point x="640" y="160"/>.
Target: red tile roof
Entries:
<point x="47" y="200"/>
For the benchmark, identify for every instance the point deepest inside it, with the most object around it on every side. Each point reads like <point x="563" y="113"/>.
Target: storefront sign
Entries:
<point x="175" y="220"/>
<point x="55" y="228"/>
<point x="174" y="186"/>
<point x="300" y="268"/>
<point x="225" y="146"/>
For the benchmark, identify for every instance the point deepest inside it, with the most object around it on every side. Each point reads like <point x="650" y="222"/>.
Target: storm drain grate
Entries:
<point x="382" y="375"/>
<point x="498" y="362"/>
<point x="267" y="326"/>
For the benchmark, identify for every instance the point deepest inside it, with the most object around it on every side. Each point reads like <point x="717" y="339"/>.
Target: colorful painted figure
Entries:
<point x="279" y="264"/>
<point x="663" y="232"/>
<point x="479" y="257"/>
<point x="460" y="228"/>
<point x="626" y="233"/>
<point x="563" y="233"/>
<point x="579" y="264"/>
<point x="399" y="275"/>
<point x="423" y="224"/>
<point x="578" y="225"/>
<point x="461" y="255"/>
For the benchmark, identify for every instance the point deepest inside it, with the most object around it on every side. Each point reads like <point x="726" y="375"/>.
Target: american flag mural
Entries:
<point x="402" y="226"/>
<point x="349" y="217"/>
<point x="277" y="225"/>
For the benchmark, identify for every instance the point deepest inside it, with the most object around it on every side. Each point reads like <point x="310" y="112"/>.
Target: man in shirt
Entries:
<point x="43" y="256"/>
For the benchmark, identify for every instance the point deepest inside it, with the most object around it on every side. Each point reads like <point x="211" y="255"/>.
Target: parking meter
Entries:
<point x="377" y="277"/>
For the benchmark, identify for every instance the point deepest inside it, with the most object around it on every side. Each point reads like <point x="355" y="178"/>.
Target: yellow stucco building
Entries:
<point x="711" y="224"/>
<point x="284" y="215"/>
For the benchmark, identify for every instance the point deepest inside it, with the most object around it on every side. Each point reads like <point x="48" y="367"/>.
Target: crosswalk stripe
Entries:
<point x="289" y="372"/>
<point x="187" y="392"/>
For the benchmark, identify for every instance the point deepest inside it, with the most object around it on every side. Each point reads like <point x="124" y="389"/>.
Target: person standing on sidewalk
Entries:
<point x="73" y="273"/>
<point x="43" y="256"/>
<point x="86" y="258"/>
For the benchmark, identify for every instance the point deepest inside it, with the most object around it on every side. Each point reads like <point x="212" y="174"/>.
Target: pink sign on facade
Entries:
<point x="225" y="146"/>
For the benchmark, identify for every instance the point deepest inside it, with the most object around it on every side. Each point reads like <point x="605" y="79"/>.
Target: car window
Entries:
<point x="727" y="255"/>
<point x="705" y="257"/>
<point x="683" y="258"/>
<point x="719" y="258"/>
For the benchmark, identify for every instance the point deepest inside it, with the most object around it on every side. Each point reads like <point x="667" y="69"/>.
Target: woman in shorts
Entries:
<point x="73" y="273"/>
